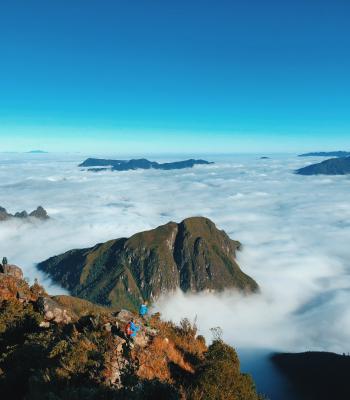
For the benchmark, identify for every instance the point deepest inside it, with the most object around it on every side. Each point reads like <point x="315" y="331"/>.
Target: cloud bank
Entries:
<point x="295" y="233"/>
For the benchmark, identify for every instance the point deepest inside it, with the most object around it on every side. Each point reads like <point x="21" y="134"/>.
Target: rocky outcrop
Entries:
<point x="52" y="311"/>
<point x="193" y="256"/>
<point x="11" y="270"/>
<point x="13" y="286"/>
<point x="39" y="213"/>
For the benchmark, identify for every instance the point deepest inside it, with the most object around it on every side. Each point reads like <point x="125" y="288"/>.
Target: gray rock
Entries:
<point x="52" y="311"/>
<point x="125" y="316"/>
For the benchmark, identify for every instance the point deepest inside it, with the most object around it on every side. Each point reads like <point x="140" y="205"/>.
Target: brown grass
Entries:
<point x="154" y="360"/>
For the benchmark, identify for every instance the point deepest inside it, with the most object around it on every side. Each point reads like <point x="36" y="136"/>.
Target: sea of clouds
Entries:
<point x="295" y="232"/>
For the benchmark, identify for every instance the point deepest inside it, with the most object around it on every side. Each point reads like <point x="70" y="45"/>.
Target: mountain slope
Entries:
<point x="333" y="166"/>
<point x="192" y="255"/>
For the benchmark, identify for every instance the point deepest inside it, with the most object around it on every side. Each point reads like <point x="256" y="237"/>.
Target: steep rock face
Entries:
<point x="192" y="255"/>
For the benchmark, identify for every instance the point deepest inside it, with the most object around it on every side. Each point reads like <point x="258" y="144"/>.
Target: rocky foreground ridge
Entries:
<point x="39" y="213"/>
<point x="64" y="348"/>
<point x="192" y="256"/>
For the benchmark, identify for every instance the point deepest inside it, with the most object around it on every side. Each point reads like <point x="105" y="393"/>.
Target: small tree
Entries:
<point x="219" y="376"/>
<point x="217" y="333"/>
<point x="4" y="261"/>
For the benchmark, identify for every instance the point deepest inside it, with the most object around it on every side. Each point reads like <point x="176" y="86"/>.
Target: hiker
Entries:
<point x="131" y="329"/>
<point x="3" y="265"/>
<point x="143" y="310"/>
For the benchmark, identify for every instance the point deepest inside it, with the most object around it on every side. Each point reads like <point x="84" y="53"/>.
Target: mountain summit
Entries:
<point x="39" y="213"/>
<point x="192" y="255"/>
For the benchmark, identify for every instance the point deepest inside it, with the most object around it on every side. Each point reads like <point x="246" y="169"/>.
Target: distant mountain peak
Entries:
<point x="333" y="166"/>
<point x="98" y="164"/>
<point x="192" y="255"/>
<point x="338" y="153"/>
<point x="39" y="213"/>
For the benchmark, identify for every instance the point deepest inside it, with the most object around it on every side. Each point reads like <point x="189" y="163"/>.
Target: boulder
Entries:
<point x="141" y="339"/>
<point x="52" y="311"/>
<point x="125" y="316"/>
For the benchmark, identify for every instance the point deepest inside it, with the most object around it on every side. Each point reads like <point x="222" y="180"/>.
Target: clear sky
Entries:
<point x="184" y="75"/>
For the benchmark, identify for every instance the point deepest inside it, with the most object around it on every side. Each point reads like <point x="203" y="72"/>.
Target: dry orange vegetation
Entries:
<point x="154" y="361"/>
<point x="88" y="356"/>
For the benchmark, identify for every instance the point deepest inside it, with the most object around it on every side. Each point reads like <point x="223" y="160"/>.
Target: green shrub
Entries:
<point x="219" y="377"/>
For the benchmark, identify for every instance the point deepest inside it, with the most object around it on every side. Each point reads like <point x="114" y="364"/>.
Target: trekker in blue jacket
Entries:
<point x="131" y="329"/>
<point x="143" y="310"/>
<point x="134" y="329"/>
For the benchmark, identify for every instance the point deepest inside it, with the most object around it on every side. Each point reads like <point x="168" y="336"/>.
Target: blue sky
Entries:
<point x="161" y="76"/>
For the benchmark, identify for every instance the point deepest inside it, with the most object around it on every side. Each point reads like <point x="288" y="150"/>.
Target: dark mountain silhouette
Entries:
<point x="333" y="166"/>
<point x="192" y="255"/>
<point x="142" y="163"/>
<point x="317" y="375"/>
<point x="326" y="154"/>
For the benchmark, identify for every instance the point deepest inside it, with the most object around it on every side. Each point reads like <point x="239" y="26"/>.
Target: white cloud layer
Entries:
<point x="295" y="232"/>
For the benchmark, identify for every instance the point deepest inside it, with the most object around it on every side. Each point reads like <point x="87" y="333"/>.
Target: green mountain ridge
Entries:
<point x="192" y="255"/>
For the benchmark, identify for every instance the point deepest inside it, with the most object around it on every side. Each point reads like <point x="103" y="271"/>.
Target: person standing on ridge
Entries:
<point x="143" y="310"/>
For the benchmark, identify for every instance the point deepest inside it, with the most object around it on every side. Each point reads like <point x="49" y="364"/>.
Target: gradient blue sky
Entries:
<point x="184" y="75"/>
